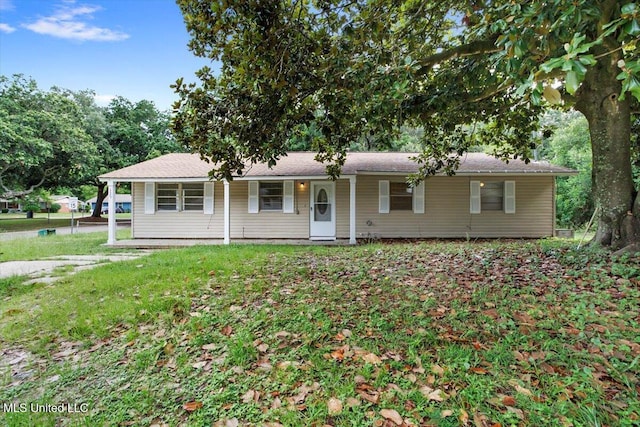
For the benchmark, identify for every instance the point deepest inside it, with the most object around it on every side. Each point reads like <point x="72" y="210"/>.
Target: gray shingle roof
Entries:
<point x="189" y="166"/>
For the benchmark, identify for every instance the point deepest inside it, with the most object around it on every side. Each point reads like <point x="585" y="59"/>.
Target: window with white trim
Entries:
<point x="167" y="197"/>
<point x="179" y="197"/>
<point x="274" y="196"/>
<point x="192" y="196"/>
<point x="271" y="196"/>
<point x="492" y="196"/>
<point x="400" y="196"/>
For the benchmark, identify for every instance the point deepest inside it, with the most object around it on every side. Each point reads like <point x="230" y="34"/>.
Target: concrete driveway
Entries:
<point x="51" y="269"/>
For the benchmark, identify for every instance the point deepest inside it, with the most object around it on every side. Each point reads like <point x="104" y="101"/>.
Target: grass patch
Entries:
<point x="19" y="222"/>
<point x="31" y="248"/>
<point x="23" y="224"/>
<point x="532" y="333"/>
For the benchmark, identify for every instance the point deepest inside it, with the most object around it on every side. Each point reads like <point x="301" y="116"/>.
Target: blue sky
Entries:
<point x="131" y="48"/>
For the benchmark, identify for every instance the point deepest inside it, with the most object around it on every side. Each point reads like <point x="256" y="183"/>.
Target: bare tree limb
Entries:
<point x="12" y="194"/>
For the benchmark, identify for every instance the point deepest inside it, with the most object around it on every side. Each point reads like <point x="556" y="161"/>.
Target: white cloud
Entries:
<point x="69" y="22"/>
<point x="6" y="28"/>
<point x="103" y="100"/>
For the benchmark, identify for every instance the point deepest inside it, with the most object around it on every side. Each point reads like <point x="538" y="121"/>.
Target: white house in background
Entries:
<point x="172" y="197"/>
<point x="123" y="203"/>
<point x="61" y="200"/>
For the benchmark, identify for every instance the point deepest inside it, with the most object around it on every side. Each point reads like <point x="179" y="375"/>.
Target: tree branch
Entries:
<point x="479" y="47"/>
<point x="12" y="194"/>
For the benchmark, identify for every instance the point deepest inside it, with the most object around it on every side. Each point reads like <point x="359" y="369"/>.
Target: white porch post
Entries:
<point x="111" y="196"/>
<point x="352" y="210"/>
<point x="227" y="213"/>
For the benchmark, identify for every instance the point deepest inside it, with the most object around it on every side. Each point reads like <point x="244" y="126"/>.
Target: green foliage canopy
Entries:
<point x="354" y="68"/>
<point x="364" y="68"/>
<point x="42" y="139"/>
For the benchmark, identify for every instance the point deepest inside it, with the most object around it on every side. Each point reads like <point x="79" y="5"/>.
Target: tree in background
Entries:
<point x="132" y="132"/>
<point x="569" y="145"/>
<point x="42" y="140"/>
<point x="63" y="139"/>
<point x="365" y="68"/>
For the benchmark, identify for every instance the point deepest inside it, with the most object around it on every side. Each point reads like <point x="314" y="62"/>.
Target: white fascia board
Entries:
<point x="509" y="173"/>
<point x="475" y="173"/>
<point x="289" y="178"/>
<point x="150" y="179"/>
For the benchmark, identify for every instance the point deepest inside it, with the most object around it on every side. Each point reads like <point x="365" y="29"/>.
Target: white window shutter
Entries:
<point x="383" y="196"/>
<point x="287" y="198"/>
<point x="253" y="197"/>
<point x="418" y="198"/>
<point x="149" y="198"/>
<point x="509" y="197"/>
<point x="208" y="205"/>
<point x="474" y="200"/>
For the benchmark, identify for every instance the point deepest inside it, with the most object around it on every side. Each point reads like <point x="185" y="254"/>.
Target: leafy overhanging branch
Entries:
<point x="479" y="47"/>
<point x="9" y="193"/>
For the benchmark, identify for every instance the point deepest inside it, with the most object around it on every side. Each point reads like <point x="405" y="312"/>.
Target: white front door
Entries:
<point x="323" y="211"/>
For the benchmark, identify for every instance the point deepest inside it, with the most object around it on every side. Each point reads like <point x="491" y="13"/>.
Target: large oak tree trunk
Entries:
<point x="102" y="194"/>
<point x="610" y="128"/>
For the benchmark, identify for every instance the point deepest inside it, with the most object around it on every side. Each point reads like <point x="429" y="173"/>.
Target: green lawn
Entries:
<point x="31" y="248"/>
<point x="444" y="334"/>
<point x="19" y="222"/>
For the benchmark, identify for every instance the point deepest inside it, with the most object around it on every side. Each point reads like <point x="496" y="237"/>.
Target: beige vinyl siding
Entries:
<point x="446" y="213"/>
<point x="179" y="225"/>
<point x="447" y="210"/>
<point x="265" y="224"/>
<point x="342" y="208"/>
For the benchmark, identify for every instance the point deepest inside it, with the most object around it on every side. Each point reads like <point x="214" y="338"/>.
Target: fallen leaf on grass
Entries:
<point x="233" y="422"/>
<point x="250" y="396"/>
<point x="519" y="413"/>
<point x="393" y="415"/>
<point x="372" y="397"/>
<point x="169" y="349"/>
<point x="192" y="406"/>
<point x="437" y="369"/>
<point x="508" y="401"/>
<point x="334" y="406"/>
<point x="431" y="394"/>
<point x="524" y="319"/>
<point x="226" y="330"/>
<point x="199" y="365"/>
<point x="276" y="404"/>
<point x="338" y="354"/>
<point x="371" y="358"/>
<point x="519" y="388"/>
<point x="303" y="391"/>
<point x="481" y="420"/>
<point x="352" y="402"/>
<point x="464" y="417"/>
